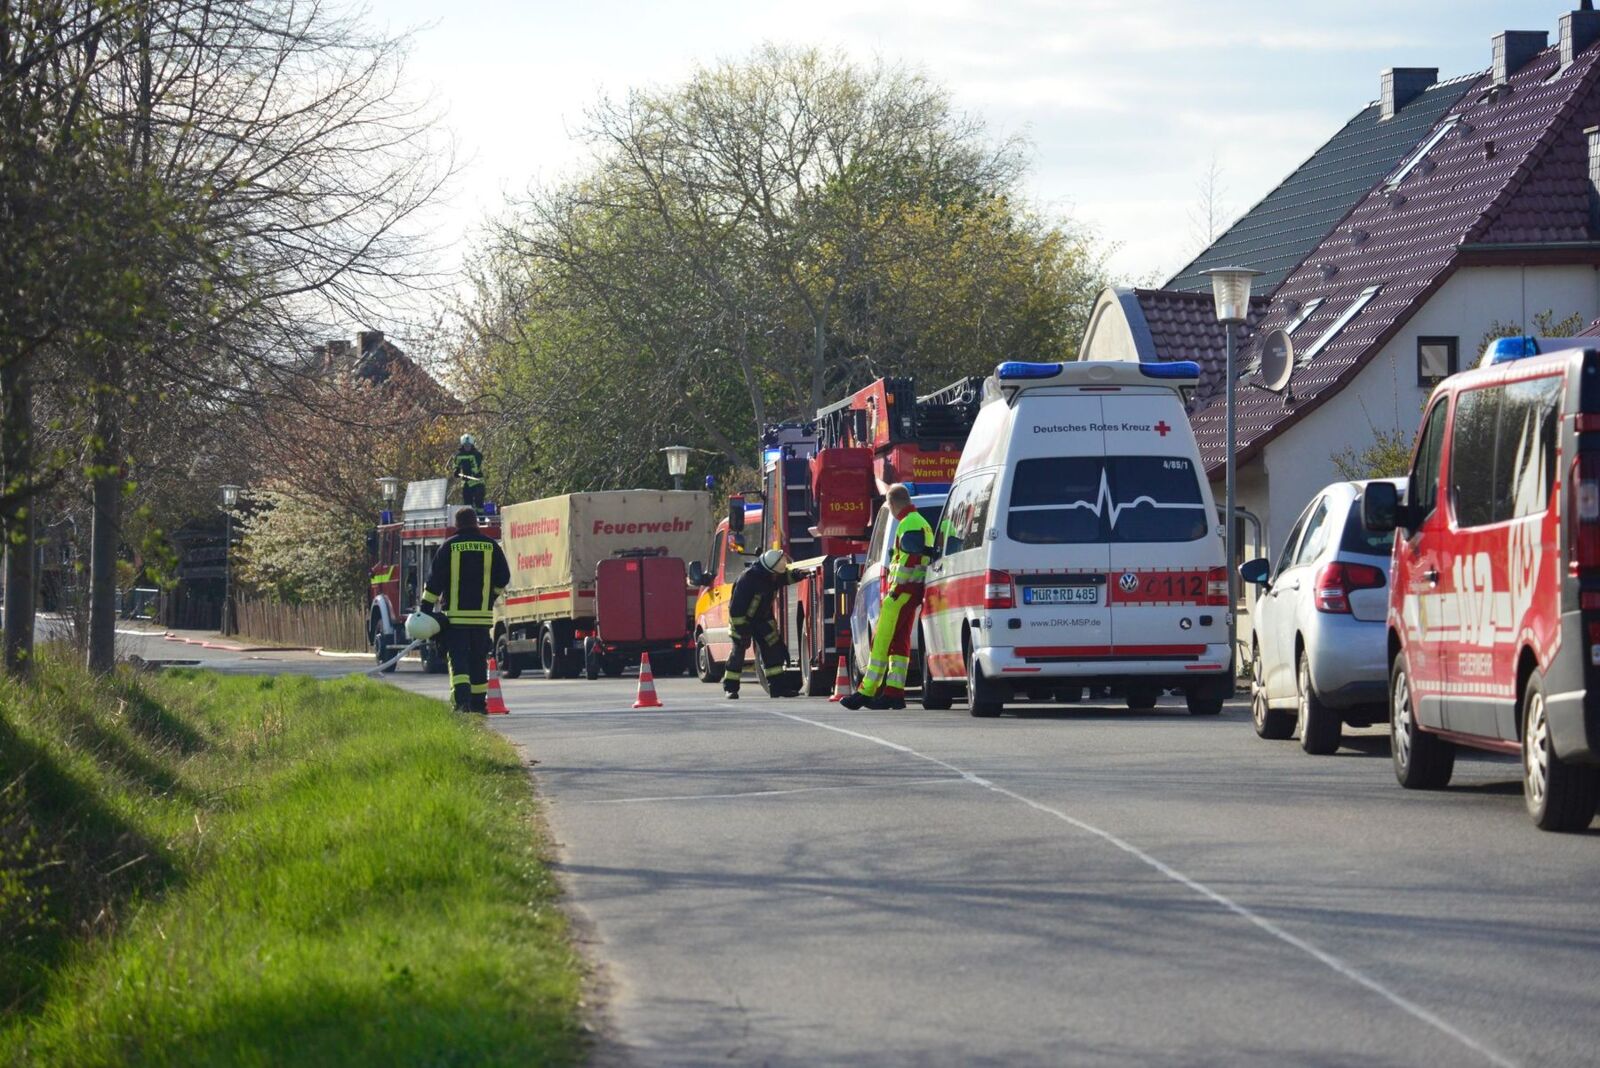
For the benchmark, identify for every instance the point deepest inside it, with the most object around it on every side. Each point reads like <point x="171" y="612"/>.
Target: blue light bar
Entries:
<point x="1171" y="369"/>
<point x="1506" y="349"/>
<point x="1013" y="369"/>
<point x="489" y="508"/>
<point x="770" y="457"/>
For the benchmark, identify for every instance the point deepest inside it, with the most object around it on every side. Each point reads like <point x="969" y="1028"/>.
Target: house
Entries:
<point x="1442" y="213"/>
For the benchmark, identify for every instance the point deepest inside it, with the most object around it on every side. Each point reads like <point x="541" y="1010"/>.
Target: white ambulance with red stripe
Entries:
<point x="1079" y="545"/>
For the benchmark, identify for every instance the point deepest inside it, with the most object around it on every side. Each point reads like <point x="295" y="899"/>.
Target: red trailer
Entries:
<point x="641" y="607"/>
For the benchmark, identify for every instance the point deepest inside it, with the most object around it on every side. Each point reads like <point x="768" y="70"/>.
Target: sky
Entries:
<point x="1126" y="104"/>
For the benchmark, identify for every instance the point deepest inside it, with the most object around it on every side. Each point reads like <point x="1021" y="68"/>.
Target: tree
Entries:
<point x="297" y="550"/>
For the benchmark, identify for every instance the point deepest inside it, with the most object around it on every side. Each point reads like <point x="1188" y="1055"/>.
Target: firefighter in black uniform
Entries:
<point x="469" y="469"/>
<point x="468" y="573"/>
<point x="750" y="616"/>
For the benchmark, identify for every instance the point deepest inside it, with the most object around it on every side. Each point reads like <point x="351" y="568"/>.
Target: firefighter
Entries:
<point x="469" y="469"/>
<point x="883" y="684"/>
<point x="750" y="617"/>
<point x="468" y="573"/>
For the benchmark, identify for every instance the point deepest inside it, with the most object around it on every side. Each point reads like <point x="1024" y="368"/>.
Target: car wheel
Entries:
<point x="1274" y="724"/>
<point x="1201" y="703"/>
<point x="706" y="668"/>
<point x="510" y="665"/>
<point x="591" y="660"/>
<point x="549" y="662"/>
<point x="936" y="696"/>
<point x="382" y="649"/>
<point x="982" y="701"/>
<point x="612" y="666"/>
<point x="1560" y="796"/>
<point x="815" y="680"/>
<point x="1320" y="726"/>
<point x="1422" y="761"/>
<point x="1141" y="698"/>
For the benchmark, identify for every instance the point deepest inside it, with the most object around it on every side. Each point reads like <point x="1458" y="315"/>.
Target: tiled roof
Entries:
<point x="1407" y="243"/>
<point x="1183" y="326"/>
<point x="1276" y="234"/>
<point x="1592" y="330"/>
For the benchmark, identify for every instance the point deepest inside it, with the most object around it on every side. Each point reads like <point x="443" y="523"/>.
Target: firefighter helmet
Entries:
<point x="466" y="439"/>
<point x="775" y="561"/>
<point x="420" y="626"/>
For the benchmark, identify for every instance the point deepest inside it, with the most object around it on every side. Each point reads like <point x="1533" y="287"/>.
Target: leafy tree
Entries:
<point x="297" y="550"/>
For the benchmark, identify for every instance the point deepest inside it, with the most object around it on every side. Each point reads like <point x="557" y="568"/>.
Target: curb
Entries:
<point x="224" y="647"/>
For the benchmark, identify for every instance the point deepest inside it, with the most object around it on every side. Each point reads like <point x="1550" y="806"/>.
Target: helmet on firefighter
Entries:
<point x="466" y="439"/>
<point x="420" y="626"/>
<point x="775" y="561"/>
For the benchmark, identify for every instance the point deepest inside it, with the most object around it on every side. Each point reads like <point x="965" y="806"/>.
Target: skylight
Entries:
<point x="1340" y="323"/>
<point x="1306" y="312"/>
<point x="1421" y="154"/>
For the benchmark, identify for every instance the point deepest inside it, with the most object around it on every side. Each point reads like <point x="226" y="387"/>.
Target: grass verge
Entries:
<point x="206" y="870"/>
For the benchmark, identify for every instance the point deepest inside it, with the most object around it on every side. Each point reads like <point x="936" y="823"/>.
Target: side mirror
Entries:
<point x="915" y="542"/>
<point x="735" y="514"/>
<point x="697" y="574"/>
<point x="1380" y="507"/>
<point x="1255" y="571"/>
<point x="845" y="572"/>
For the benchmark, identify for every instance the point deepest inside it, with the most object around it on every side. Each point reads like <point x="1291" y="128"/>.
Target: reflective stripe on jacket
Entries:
<point x="468" y="573"/>
<point x="910" y="569"/>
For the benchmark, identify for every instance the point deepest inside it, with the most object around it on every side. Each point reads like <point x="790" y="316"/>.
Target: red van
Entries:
<point x="1494" y="603"/>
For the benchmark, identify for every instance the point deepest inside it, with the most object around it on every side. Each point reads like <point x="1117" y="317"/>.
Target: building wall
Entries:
<point x="1385" y="395"/>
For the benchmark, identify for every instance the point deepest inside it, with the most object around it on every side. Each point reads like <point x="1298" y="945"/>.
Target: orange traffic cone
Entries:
<point x="841" y="682"/>
<point x="647" y="686"/>
<point x="496" y="705"/>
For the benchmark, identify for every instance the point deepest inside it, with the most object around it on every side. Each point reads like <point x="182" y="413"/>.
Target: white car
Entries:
<point x="1079" y="545"/>
<point x="869" y="593"/>
<point x="1319" y="653"/>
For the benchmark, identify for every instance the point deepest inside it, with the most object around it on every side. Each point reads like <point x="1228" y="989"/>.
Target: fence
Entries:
<point x="329" y="626"/>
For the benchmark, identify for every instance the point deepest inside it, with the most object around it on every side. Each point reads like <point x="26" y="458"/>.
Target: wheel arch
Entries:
<point x="1527" y="664"/>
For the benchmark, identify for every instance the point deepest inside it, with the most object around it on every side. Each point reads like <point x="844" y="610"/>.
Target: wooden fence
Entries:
<point x="328" y="626"/>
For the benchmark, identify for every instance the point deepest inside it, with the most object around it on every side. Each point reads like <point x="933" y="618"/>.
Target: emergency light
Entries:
<point x="490" y="509"/>
<point x="1507" y="349"/>
<point x="1171" y="369"/>
<point x="1014" y="369"/>
<point x="385" y="517"/>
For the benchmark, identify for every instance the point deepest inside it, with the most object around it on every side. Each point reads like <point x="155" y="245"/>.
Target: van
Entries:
<point x="1079" y="545"/>
<point x="732" y="554"/>
<point x="1494" y="602"/>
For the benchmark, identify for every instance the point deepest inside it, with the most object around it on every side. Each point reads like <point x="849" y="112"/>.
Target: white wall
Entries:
<point x="1385" y="395"/>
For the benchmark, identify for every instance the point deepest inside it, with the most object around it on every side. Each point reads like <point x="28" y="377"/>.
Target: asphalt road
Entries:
<point x="786" y="882"/>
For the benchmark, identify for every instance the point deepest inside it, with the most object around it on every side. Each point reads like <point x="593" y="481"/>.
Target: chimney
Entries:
<point x="1579" y="29"/>
<point x="1401" y="85"/>
<point x="370" y="341"/>
<point x="1513" y="49"/>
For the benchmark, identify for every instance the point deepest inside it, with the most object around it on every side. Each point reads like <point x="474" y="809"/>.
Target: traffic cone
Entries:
<point x="496" y="704"/>
<point x="841" y="682"/>
<point x="647" y="686"/>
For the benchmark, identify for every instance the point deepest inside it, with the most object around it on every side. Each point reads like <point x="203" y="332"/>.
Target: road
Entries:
<point x="791" y="883"/>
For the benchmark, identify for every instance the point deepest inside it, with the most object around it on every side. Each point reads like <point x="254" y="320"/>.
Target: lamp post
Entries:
<point x="230" y="500"/>
<point x="1230" y="291"/>
<point x="677" y="463"/>
<point x="391" y="493"/>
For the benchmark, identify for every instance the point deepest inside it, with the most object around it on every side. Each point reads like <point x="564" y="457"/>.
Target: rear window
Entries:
<point x="1088" y="499"/>
<point x="1358" y="539"/>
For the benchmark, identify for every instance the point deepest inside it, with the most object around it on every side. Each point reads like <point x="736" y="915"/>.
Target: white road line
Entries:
<point x="769" y="793"/>
<point x="1261" y="922"/>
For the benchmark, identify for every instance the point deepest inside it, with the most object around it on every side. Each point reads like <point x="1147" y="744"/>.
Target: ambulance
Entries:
<point x="1494" y="591"/>
<point x="1079" y="545"/>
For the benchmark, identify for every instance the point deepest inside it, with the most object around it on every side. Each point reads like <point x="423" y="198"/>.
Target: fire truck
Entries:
<point x="401" y="550"/>
<point x="819" y="497"/>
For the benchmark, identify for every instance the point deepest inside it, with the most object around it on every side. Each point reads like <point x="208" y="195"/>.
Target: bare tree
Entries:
<point x="1210" y="213"/>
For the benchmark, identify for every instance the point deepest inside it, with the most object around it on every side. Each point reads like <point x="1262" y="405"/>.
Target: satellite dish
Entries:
<point x="1277" y="360"/>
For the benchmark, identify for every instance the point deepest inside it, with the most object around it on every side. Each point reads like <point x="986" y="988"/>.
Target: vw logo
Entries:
<point x="1129" y="582"/>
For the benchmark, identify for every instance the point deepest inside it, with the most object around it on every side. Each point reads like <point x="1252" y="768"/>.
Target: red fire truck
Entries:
<point x="401" y="550"/>
<point x="819" y="488"/>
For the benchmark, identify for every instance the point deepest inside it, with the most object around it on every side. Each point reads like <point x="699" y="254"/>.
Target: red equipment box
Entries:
<point x="641" y="599"/>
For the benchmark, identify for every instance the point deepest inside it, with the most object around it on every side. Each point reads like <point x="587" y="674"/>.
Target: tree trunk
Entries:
<point x="106" y="530"/>
<point x="16" y="456"/>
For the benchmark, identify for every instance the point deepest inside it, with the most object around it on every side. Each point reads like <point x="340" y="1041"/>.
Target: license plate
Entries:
<point x="1061" y="595"/>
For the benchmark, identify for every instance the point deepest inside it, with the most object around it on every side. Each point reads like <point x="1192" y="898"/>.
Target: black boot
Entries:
<point x="730" y="689"/>
<point x="852" y="701"/>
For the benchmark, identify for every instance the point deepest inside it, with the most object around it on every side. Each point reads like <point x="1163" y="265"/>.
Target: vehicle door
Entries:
<point x="1275" y="609"/>
<point x="1421" y="572"/>
<point x="948" y="593"/>
<point x="869" y="591"/>
<point x="1166" y="584"/>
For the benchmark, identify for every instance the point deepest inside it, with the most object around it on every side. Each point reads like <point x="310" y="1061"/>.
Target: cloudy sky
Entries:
<point x="1126" y="103"/>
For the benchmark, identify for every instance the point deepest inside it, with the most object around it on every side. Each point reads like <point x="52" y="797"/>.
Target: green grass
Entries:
<point x="206" y="870"/>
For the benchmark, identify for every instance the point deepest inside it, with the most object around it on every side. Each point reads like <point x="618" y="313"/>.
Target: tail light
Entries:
<point x="998" y="591"/>
<point x="1336" y="582"/>
<point x="1586" y="511"/>
<point x="1216" y="588"/>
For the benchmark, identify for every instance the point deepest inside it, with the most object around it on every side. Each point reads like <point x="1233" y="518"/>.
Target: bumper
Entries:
<point x="1171" y="669"/>
<point x="1572" y="704"/>
<point x="1349" y="659"/>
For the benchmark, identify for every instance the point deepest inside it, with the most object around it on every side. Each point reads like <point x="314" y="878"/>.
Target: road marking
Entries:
<point x="1404" y="1004"/>
<point x="770" y="793"/>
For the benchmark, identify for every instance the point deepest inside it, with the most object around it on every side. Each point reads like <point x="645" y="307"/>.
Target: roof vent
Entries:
<point x="1328" y="270"/>
<point x="1513" y="49"/>
<point x="1579" y="30"/>
<point x="1358" y="236"/>
<point x="1399" y="86"/>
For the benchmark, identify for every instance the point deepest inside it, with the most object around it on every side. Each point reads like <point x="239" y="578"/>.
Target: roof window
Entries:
<point x="1361" y="301"/>
<point x="1306" y="311"/>
<point x="1421" y="154"/>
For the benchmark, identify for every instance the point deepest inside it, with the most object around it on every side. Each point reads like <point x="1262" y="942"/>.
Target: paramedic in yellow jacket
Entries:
<point x="883" y="683"/>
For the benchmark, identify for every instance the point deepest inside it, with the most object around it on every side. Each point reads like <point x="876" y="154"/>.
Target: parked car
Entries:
<point x="1079" y="545"/>
<point x="1318" y="641"/>
<point x="1494" y="599"/>
<point x="869" y="591"/>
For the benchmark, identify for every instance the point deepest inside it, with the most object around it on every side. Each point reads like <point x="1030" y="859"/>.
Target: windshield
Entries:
<point x="1088" y="499"/>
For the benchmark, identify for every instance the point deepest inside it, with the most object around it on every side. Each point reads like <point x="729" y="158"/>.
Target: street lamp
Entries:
<point x="677" y="463"/>
<point x="1230" y="291"/>
<point x="230" y="500"/>
<point x="391" y="488"/>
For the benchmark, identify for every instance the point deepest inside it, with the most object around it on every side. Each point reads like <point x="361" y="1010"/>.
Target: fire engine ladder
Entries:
<point x="948" y="414"/>
<point x="797" y="520"/>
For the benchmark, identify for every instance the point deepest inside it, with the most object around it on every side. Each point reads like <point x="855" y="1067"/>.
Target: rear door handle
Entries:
<point x="1432" y="575"/>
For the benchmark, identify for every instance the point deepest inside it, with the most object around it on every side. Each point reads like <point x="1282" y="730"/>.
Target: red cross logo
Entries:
<point x="1163" y="429"/>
